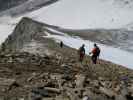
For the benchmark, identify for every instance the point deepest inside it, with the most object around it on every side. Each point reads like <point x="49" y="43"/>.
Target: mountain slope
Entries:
<point x="89" y="14"/>
<point x="30" y="36"/>
<point x="33" y="61"/>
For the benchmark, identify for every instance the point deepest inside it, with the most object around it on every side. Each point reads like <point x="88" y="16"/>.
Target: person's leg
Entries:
<point x="92" y="58"/>
<point x="95" y="60"/>
<point x="81" y="57"/>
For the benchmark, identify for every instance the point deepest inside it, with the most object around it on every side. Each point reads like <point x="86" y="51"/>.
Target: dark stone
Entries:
<point x="41" y="91"/>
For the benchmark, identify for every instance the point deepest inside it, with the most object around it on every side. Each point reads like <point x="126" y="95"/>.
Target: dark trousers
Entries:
<point x="81" y="57"/>
<point x="94" y="59"/>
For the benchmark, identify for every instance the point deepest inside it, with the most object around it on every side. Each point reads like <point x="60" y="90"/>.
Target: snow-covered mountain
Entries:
<point x="109" y="19"/>
<point x="72" y="14"/>
<point x="10" y="17"/>
<point x="85" y="14"/>
<point x="7" y="4"/>
<point x="26" y="6"/>
<point x="78" y="14"/>
<point x="34" y="37"/>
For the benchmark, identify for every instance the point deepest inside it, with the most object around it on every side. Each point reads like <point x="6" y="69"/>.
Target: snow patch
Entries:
<point x="5" y="30"/>
<point x="55" y="31"/>
<point x="7" y="25"/>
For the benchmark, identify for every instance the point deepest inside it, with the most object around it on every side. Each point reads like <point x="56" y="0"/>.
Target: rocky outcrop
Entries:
<point x="25" y="31"/>
<point x="28" y="36"/>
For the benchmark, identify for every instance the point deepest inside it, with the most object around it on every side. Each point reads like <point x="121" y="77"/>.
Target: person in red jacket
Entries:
<point x="95" y="53"/>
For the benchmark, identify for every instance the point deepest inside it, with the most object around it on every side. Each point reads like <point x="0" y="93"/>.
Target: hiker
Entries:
<point x="61" y="44"/>
<point x="3" y="47"/>
<point x="95" y="53"/>
<point x="81" y="53"/>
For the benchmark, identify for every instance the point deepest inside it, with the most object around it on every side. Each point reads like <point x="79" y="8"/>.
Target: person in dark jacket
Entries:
<point x="81" y="53"/>
<point x="95" y="53"/>
<point x="61" y="44"/>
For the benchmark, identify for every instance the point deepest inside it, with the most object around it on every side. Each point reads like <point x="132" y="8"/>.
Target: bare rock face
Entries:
<point x="28" y="37"/>
<point x="24" y="32"/>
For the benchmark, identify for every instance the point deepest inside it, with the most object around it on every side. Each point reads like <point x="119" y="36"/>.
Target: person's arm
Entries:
<point x="78" y="51"/>
<point x="90" y="52"/>
<point x="84" y="51"/>
<point x="99" y="52"/>
<point x="93" y="51"/>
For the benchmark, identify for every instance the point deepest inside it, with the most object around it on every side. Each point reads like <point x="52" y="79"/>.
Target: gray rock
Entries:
<point x="94" y="83"/>
<point x="39" y="92"/>
<point x="107" y="92"/>
<point x="120" y="97"/>
<point x="124" y="89"/>
<point x="80" y="80"/>
<point x="6" y="82"/>
<point x="56" y="76"/>
<point x="86" y="98"/>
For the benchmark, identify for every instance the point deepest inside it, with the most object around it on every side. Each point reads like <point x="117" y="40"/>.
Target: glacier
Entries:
<point x="79" y="14"/>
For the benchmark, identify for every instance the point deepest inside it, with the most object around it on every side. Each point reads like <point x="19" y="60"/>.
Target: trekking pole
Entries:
<point x="89" y="51"/>
<point x="89" y="47"/>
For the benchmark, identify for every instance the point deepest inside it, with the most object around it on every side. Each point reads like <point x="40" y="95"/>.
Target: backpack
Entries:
<point x="96" y="51"/>
<point x="81" y="50"/>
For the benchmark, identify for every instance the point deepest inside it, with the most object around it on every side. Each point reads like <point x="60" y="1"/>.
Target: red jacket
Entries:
<point x="94" y="50"/>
